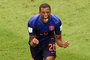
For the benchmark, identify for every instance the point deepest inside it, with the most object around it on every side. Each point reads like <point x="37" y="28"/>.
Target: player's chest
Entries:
<point x="46" y="27"/>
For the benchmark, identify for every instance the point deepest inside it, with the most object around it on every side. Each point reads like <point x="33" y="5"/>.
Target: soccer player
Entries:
<point x="44" y="31"/>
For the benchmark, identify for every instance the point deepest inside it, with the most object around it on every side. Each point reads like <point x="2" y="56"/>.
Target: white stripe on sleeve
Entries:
<point x="30" y="29"/>
<point x="61" y="28"/>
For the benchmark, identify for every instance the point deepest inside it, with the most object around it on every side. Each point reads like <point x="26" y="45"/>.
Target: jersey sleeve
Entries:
<point x="31" y="26"/>
<point x="58" y="28"/>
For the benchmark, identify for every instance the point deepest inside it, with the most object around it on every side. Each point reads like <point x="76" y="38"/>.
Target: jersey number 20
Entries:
<point x="52" y="47"/>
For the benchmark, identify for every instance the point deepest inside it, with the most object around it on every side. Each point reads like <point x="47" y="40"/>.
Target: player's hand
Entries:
<point x="65" y="44"/>
<point x="34" y="42"/>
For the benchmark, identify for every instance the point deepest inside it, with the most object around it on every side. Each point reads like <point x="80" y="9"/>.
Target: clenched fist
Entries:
<point x="34" y="42"/>
<point x="65" y="44"/>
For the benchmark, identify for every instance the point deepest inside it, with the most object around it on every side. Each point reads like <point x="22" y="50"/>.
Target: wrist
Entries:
<point x="61" y="44"/>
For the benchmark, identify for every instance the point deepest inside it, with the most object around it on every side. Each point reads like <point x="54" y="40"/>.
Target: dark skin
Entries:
<point x="33" y="41"/>
<point x="45" y="14"/>
<point x="60" y="42"/>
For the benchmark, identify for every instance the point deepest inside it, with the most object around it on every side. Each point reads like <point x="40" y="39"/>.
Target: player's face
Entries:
<point x="45" y="14"/>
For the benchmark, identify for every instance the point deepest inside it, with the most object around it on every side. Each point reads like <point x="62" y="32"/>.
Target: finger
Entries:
<point x="36" y="42"/>
<point x="67" y="43"/>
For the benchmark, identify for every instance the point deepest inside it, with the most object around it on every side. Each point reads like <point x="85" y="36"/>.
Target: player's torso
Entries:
<point x="45" y="32"/>
<point x="45" y="29"/>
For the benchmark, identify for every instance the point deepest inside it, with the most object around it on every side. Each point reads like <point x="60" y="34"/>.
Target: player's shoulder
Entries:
<point x="33" y="20"/>
<point x="55" y="18"/>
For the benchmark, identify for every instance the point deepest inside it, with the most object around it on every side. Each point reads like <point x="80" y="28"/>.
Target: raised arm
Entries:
<point x="32" y="34"/>
<point x="58" y="36"/>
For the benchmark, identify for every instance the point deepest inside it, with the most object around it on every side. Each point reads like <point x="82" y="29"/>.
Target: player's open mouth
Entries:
<point x="45" y="19"/>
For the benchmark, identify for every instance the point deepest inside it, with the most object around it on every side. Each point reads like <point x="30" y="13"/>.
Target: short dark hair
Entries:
<point x="44" y="5"/>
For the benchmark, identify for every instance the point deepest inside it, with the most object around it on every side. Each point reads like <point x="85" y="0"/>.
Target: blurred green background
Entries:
<point x="14" y="16"/>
